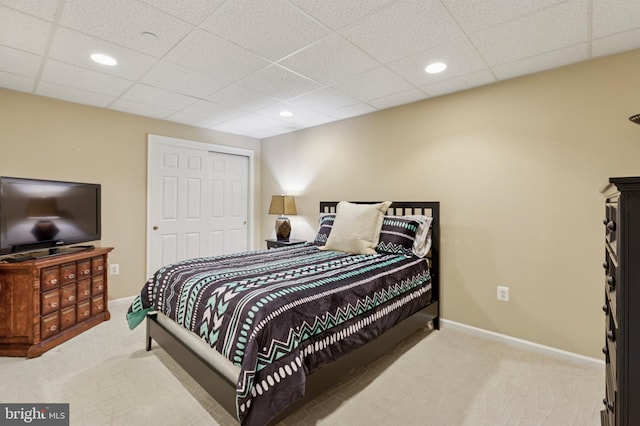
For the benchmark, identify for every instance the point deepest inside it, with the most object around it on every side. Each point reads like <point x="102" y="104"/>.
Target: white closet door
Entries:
<point x="198" y="202"/>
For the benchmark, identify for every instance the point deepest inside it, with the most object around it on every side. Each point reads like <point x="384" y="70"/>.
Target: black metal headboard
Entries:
<point x="400" y="208"/>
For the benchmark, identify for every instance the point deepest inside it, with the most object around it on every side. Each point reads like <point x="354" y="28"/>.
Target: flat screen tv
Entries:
<point x="40" y="214"/>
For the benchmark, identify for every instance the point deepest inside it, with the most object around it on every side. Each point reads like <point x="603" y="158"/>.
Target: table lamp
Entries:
<point x="283" y="205"/>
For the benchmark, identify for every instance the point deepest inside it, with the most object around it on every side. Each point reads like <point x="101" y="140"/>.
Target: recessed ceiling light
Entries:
<point x="436" y="67"/>
<point x="286" y="114"/>
<point x="103" y="59"/>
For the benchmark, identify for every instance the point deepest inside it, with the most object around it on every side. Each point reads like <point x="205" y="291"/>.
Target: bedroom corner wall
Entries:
<point x="51" y="139"/>
<point x="517" y="167"/>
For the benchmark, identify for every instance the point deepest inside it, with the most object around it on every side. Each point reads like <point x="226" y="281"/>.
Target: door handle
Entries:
<point x="155" y="228"/>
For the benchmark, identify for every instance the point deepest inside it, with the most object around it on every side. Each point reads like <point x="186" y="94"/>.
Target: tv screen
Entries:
<point x="36" y="214"/>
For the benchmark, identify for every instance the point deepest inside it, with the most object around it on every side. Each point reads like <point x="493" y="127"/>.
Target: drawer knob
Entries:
<point x="72" y="298"/>
<point x="54" y="281"/>
<point x="611" y="281"/>
<point x="605" y="265"/>
<point x="611" y="335"/>
<point x="71" y="276"/>
<point x="53" y="328"/>
<point x="86" y="292"/>
<point x="605" y="308"/>
<point x="605" y="221"/>
<point x="85" y="313"/>
<point x="608" y="404"/>
<point x="86" y="272"/>
<point x="100" y="268"/>
<point x="611" y="226"/>
<point x="605" y="351"/>
<point x="54" y="304"/>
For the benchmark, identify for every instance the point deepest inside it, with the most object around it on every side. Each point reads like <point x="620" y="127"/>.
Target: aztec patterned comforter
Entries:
<point x="280" y="314"/>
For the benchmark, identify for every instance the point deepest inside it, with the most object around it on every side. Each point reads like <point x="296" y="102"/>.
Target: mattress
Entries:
<point x="202" y="348"/>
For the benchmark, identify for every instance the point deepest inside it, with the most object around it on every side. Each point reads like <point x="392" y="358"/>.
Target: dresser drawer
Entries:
<point x="49" y="325"/>
<point x="49" y="301"/>
<point x="67" y="317"/>
<point x="67" y="273"/>
<point x="97" y="285"/>
<point x="68" y="295"/>
<point x="611" y="394"/>
<point x="49" y="278"/>
<point x="83" y="268"/>
<point x="610" y="359"/>
<point x="611" y="224"/>
<point x="97" y="305"/>
<point x="83" y="310"/>
<point x="97" y="264"/>
<point x="84" y="289"/>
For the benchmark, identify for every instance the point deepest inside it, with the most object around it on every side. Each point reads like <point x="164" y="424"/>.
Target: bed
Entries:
<point x="276" y="317"/>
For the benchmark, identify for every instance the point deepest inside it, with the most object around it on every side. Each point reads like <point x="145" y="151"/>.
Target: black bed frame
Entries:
<point x="224" y="391"/>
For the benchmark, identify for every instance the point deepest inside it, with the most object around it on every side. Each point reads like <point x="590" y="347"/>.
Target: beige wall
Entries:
<point x="517" y="167"/>
<point x="50" y="139"/>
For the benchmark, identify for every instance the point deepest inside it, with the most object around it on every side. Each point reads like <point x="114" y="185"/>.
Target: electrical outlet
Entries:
<point x="114" y="269"/>
<point x="503" y="293"/>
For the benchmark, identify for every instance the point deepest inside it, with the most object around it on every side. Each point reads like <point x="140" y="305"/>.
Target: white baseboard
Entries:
<point x="122" y="301"/>
<point x="524" y="344"/>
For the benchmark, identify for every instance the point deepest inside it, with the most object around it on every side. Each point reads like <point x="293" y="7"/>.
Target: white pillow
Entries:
<point x="356" y="228"/>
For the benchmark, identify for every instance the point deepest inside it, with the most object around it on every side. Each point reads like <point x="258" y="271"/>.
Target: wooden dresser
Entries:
<point x="47" y="301"/>
<point x="622" y="302"/>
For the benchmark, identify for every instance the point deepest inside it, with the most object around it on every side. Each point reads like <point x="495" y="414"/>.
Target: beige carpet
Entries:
<point x="447" y="378"/>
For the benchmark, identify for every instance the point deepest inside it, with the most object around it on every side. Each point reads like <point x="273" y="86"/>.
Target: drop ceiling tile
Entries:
<point x="373" y="84"/>
<point x="265" y="133"/>
<point x="22" y="31"/>
<point x="330" y="60"/>
<point x="76" y="48"/>
<point x="550" y="29"/>
<point x="338" y="13"/>
<point x="311" y="120"/>
<point x="615" y="16"/>
<point x="273" y="111"/>
<point x="401" y="98"/>
<point x="352" y="111"/>
<point x="192" y="11"/>
<point x="323" y="100"/>
<point x="277" y="130"/>
<point x="124" y="21"/>
<point x="83" y="79"/>
<point x="278" y="82"/>
<point x="474" y="15"/>
<point x="73" y="94"/>
<point x="154" y="96"/>
<point x="543" y="62"/>
<point x="16" y="82"/>
<point x="617" y="43"/>
<point x="402" y="29"/>
<point x="19" y="62"/>
<point x="166" y="75"/>
<point x="215" y="113"/>
<point x="241" y="98"/>
<point x="460" y="83"/>
<point x="140" y="108"/>
<point x="271" y="28"/>
<point x="459" y="55"/>
<point x="246" y="123"/>
<point x="209" y="54"/>
<point x="42" y="9"/>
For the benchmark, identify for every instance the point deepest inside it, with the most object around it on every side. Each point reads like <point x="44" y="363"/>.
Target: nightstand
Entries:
<point x="273" y="243"/>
